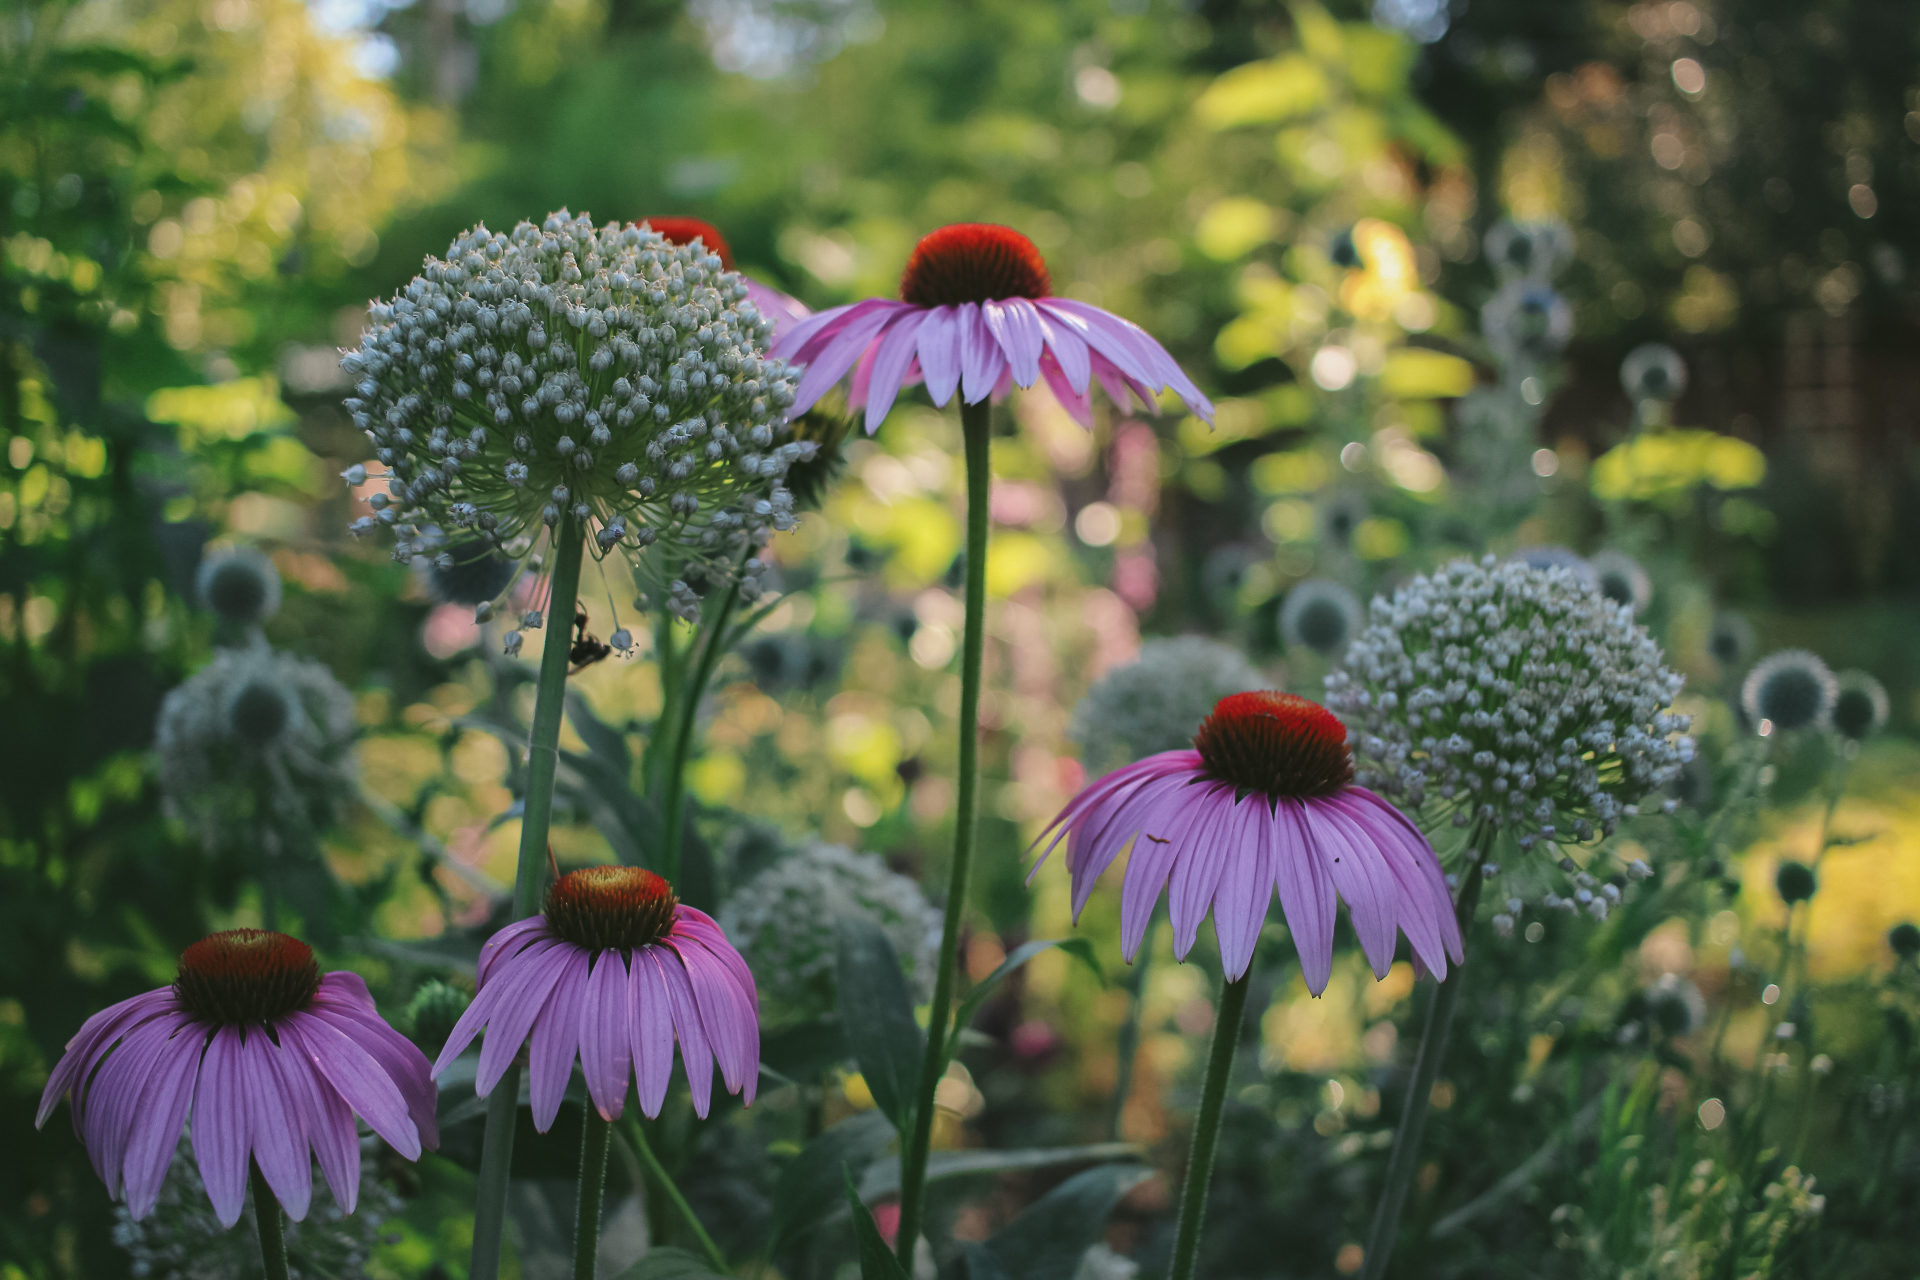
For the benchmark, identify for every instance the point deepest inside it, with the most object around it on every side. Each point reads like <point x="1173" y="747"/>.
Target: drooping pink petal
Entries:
<point x="507" y="1005"/>
<point x="1076" y="403"/>
<point x="732" y="1024"/>
<point x="1183" y="809"/>
<point x="157" y="1121"/>
<point x="1432" y="891"/>
<point x="1015" y="325"/>
<point x="803" y="341"/>
<point x="1099" y="837"/>
<point x="276" y="1124"/>
<point x="359" y="1081"/>
<point x="220" y="1140"/>
<point x="91" y="1041"/>
<point x="1360" y="874"/>
<point x="510" y="941"/>
<point x="1197" y="844"/>
<point x="981" y="360"/>
<point x="692" y="920"/>
<point x="330" y="1126"/>
<point x="349" y="1006"/>
<point x="1417" y="909"/>
<point x="113" y="1098"/>
<point x="1131" y="349"/>
<point x="838" y="350"/>
<point x="1307" y="894"/>
<point x="938" y="345"/>
<point x="556" y="1038"/>
<point x="605" y="1058"/>
<point x="892" y="354"/>
<point x="1119" y="390"/>
<point x="1245" y="888"/>
<point x="695" y="1049"/>
<point x="650" y="1025"/>
<point x="1066" y="346"/>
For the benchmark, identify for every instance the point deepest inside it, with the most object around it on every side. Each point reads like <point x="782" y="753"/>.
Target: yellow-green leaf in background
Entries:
<point x="1663" y="462"/>
<point x="1417" y="373"/>
<point x="1231" y="227"/>
<point x="1282" y="88"/>
<point x="231" y="410"/>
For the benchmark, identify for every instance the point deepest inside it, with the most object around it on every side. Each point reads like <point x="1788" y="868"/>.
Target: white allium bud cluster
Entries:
<point x="598" y="376"/>
<point x="256" y="751"/>
<point x="785" y="922"/>
<point x="1156" y="702"/>
<point x="1518" y="697"/>
<point x="182" y="1239"/>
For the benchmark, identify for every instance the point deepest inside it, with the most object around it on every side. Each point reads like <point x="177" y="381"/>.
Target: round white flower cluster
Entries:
<point x="183" y="1240"/>
<point x="600" y="378"/>
<point x="1518" y="697"/>
<point x="1156" y="702"/>
<point x="256" y="751"/>
<point x="785" y="922"/>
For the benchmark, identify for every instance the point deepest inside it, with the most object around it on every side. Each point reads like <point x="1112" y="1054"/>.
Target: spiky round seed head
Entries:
<point x="1792" y="689"/>
<point x="611" y="907"/>
<point x="1275" y="745"/>
<point x="1653" y="371"/>
<point x="246" y="976"/>
<point x="1528" y="250"/>
<point x="1319" y="614"/>
<point x="973" y="262"/>
<point x="240" y="587"/>
<point x="432" y="1012"/>
<point x="1861" y="706"/>
<point x="1526" y="321"/>
<point x="1730" y="640"/>
<point x="1621" y="579"/>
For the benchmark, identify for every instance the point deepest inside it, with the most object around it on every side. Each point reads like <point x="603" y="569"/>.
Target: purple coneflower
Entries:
<point x="614" y="972"/>
<point x="268" y="1055"/>
<point x="1264" y="801"/>
<point x="977" y="312"/>
<point x="770" y="302"/>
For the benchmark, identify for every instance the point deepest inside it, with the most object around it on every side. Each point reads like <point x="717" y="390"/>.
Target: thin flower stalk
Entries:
<point x="1206" y="1127"/>
<point x="266" y="1217"/>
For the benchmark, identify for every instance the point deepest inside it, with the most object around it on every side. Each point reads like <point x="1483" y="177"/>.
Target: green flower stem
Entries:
<point x="593" y="1186"/>
<point x="1426" y="1066"/>
<point x="975" y="425"/>
<point x="1127" y="1048"/>
<point x="543" y="759"/>
<point x="1206" y="1127"/>
<point x="637" y="1133"/>
<point x="687" y="712"/>
<point x="266" y="1216"/>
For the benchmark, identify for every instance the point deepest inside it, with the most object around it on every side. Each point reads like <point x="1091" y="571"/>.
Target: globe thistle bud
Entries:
<point x="1519" y="698"/>
<point x="1795" y="882"/>
<point x="432" y="1012"/>
<point x="1621" y="579"/>
<point x="1673" y="1006"/>
<point x="1526" y="322"/>
<point x="1340" y="513"/>
<point x="514" y="436"/>
<point x="1790" y="689"/>
<point x="1156" y="702"/>
<point x="241" y="588"/>
<point x="1860" y="707"/>
<point x="1653" y="371"/>
<point x="784" y="921"/>
<point x="1730" y="640"/>
<point x="1321" y="615"/>
<point x="1528" y="250"/>
<point x="255" y="751"/>
<point x="1904" y="938"/>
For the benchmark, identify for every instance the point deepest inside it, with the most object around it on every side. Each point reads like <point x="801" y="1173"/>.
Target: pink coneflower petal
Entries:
<point x="1015" y="325"/>
<point x="892" y="356"/>
<point x="113" y="1099"/>
<point x="220" y="1126"/>
<point x="357" y="1078"/>
<point x="1180" y="806"/>
<point x="981" y="359"/>
<point x="510" y="941"/>
<point x="605" y="1058"/>
<point x="95" y="1034"/>
<point x="1077" y="404"/>
<point x="803" y="342"/>
<point x="938" y="346"/>
<point x="1244" y="888"/>
<point x="651" y="1026"/>
<point x="556" y="1039"/>
<point x="1363" y="881"/>
<point x="157" y="1120"/>
<point x="1307" y="895"/>
<point x="345" y="1002"/>
<point x="276" y="1125"/>
<point x="696" y="1050"/>
<point x="839" y="349"/>
<point x="1066" y="346"/>
<point x="329" y="1124"/>
<point x="726" y="1015"/>
<point x="1131" y="349"/>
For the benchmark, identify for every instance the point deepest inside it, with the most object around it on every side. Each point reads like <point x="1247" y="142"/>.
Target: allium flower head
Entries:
<point x="1549" y="556"/>
<point x="270" y="1058"/>
<point x="1860" y="708"/>
<point x="1528" y="250"/>
<point x="786" y="923"/>
<point x="1319" y="614"/>
<point x="1621" y="579"/>
<point x="256" y="750"/>
<point x="563" y="372"/>
<point x="1526" y="321"/>
<point x="1264" y="801"/>
<point x="1792" y="689"/>
<point x="1156" y="702"/>
<point x="614" y="973"/>
<point x="240" y="587"/>
<point x="977" y="314"/>
<point x="771" y="303"/>
<point x="1520" y="697"/>
<point x="1653" y="371"/>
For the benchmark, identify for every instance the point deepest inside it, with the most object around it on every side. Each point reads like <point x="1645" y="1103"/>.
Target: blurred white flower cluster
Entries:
<point x="1156" y="702"/>
<point x="1518" y="697"/>
<point x="785" y="922"/>
<point x="599" y="376"/>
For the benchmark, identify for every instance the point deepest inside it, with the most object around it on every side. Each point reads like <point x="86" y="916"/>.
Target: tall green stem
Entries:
<point x="637" y="1132"/>
<point x="975" y="425"/>
<point x="1127" y="1048"/>
<point x="1426" y="1066"/>
<point x="687" y="712"/>
<point x="1206" y="1127"/>
<point x="593" y="1186"/>
<point x="543" y="759"/>
<point x="266" y="1216"/>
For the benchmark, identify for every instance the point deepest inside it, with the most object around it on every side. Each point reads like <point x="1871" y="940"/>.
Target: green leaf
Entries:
<point x="877" y="1012"/>
<point x="883" y="1178"/>
<point x="805" y="1194"/>
<point x="876" y="1259"/>
<point x="1079" y="948"/>
<point x="1047" y="1241"/>
<point x="663" y="1263"/>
